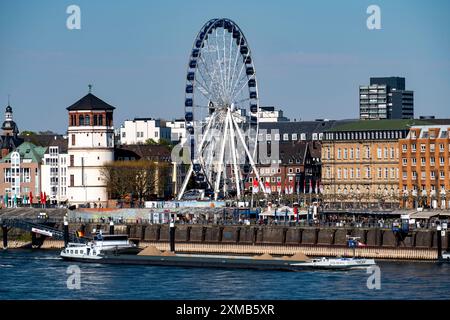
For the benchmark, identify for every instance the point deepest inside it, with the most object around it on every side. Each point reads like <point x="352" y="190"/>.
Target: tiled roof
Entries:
<point x="90" y="102"/>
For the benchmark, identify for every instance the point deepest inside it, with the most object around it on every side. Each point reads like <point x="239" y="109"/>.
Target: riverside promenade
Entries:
<point x="287" y="239"/>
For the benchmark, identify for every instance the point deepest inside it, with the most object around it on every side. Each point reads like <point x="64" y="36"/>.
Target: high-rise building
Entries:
<point x="90" y="146"/>
<point x="386" y="98"/>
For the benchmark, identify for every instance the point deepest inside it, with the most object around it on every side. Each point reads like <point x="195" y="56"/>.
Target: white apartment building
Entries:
<point x="177" y="129"/>
<point x="139" y="130"/>
<point x="270" y="114"/>
<point x="54" y="169"/>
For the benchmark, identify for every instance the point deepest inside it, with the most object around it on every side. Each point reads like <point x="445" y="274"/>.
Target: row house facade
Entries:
<point x="425" y="167"/>
<point x="295" y="171"/>
<point x="360" y="164"/>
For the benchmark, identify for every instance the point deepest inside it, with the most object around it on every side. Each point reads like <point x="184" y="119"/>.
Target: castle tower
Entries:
<point x="90" y="146"/>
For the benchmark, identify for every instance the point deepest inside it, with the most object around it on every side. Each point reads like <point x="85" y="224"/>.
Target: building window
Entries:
<point x="413" y="147"/>
<point x="368" y="175"/>
<point x="432" y="175"/>
<point x="404" y="147"/>
<point x="442" y="175"/>
<point x="386" y="173"/>
<point x="357" y="153"/>
<point x="414" y="161"/>
<point x="422" y="161"/>
<point x="379" y="173"/>
<point x="285" y="137"/>
<point x="351" y="153"/>
<point x="392" y="173"/>
<point x="100" y="119"/>
<point x="351" y="173"/>
<point x="72" y="180"/>
<point x="432" y="161"/>
<point x="404" y="161"/>
<point x="441" y="161"/>
<point x="432" y="147"/>
<point x="124" y="134"/>
<point x="294" y="136"/>
<point x="441" y="147"/>
<point x="414" y="175"/>
<point x="392" y="153"/>
<point x="358" y="173"/>
<point x="80" y="120"/>
<point x="367" y="152"/>
<point x="87" y="120"/>
<point x="72" y="160"/>
<point x="379" y="153"/>
<point x="423" y="147"/>
<point x="73" y="139"/>
<point x="345" y="174"/>
<point x="339" y="153"/>
<point x="277" y="137"/>
<point x="339" y="173"/>
<point x="345" y="153"/>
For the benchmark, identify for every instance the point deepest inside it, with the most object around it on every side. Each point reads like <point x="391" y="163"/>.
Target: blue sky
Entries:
<point x="310" y="56"/>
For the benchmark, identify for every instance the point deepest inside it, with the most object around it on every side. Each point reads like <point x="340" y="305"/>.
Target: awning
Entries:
<point x="424" y="215"/>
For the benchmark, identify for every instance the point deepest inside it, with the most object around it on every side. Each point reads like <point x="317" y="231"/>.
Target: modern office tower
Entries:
<point x="386" y="98"/>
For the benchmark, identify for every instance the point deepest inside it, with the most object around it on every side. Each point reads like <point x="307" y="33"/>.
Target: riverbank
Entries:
<point x="309" y="250"/>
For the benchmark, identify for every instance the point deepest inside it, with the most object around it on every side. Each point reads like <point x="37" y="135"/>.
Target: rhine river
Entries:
<point x="27" y="274"/>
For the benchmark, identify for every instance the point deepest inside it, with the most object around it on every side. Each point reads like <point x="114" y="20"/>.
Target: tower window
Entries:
<point x="100" y="120"/>
<point x="80" y="120"/>
<point x="95" y="120"/>
<point x="73" y="139"/>
<point x="87" y="120"/>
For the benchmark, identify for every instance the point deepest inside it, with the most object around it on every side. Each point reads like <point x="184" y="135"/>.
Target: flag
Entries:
<point x="42" y="197"/>
<point x="45" y="198"/>
<point x="291" y="187"/>
<point x="31" y="197"/>
<point x="255" y="188"/>
<point x="267" y="187"/>
<point x="360" y="244"/>
<point x="286" y="189"/>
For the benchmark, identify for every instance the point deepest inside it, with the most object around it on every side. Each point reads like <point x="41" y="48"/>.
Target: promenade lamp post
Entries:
<point x="415" y="199"/>
<point x="424" y="199"/>
<point x="368" y="196"/>
<point x="442" y="199"/>
<point x="405" y="199"/>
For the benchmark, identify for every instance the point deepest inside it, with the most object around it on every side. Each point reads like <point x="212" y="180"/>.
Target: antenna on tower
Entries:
<point x="8" y="98"/>
<point x="90" y="87"/>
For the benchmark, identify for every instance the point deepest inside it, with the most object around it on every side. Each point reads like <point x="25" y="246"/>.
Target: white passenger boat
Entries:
<point x="336" y="263"/>
<point x="100" y="244"/>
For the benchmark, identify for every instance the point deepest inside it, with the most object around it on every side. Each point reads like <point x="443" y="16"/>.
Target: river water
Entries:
<point x="41" y="274"/>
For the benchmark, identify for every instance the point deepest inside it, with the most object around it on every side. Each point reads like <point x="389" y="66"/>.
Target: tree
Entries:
<point x="27" y="133"/>
<point x="141" y="178"/>
<point x="151" y="142"/>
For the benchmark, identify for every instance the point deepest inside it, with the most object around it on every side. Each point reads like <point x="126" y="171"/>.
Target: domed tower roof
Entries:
<point x="9" y="127"/>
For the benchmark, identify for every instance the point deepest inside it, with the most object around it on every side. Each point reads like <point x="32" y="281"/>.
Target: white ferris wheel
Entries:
<point x="221" y="110"/>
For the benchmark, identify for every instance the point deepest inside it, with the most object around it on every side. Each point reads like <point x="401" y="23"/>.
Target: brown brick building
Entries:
<point x="425" y="167"/>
